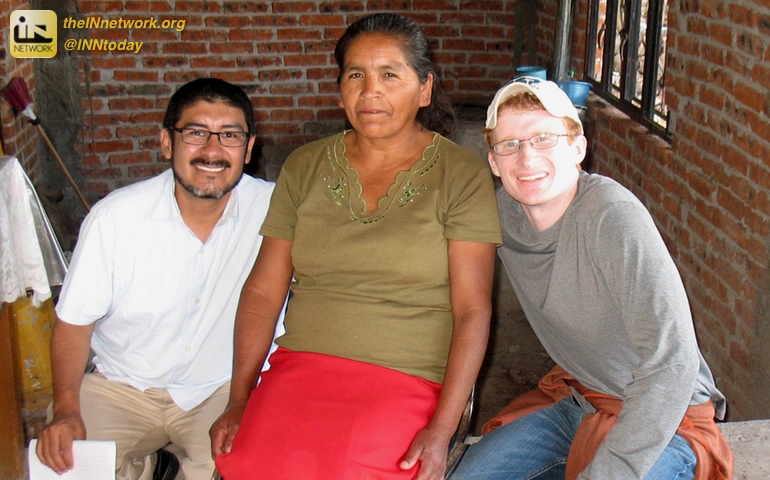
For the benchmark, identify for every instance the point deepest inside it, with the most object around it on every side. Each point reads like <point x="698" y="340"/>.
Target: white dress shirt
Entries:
<point x="163" y="302"/>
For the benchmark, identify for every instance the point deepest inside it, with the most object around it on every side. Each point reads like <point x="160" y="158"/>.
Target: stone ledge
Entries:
<point x="750" y="442"/>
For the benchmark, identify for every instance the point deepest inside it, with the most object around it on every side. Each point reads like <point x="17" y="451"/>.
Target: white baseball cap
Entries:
<point x="553" y="98"/>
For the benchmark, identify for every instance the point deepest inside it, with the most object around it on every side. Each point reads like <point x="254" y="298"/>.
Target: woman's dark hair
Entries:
<point x="211" y="90"/>
<point x="439" y="116"/>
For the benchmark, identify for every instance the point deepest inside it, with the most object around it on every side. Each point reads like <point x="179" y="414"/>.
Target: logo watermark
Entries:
<point x="33" y="34"/>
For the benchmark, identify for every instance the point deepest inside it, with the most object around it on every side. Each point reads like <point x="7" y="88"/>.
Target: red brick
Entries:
<point x="291" y="115"/>
<point x="439" y="5"/>
<point x="273" y="102"/>
<point x="212" y="62"/>
<point x="145" y="6"/>
<point x="318" y="101"/>
<point x="465" y="45"/>
<point x="232" y="48"/>
<point x="258" y="34"/>
<point x="111" y="118"/>
<point x="147" y="171"/>
<point x="135" y="76"/>
<point x="322" y="20"/>
<point x="246" y="7"/>
<point x="183" y="77"/>
<point x="101" y="133"/>
<point x="274" y="21"/>
<point x="130" y="158"/>
<point x="740" y="356"/>
<point x="305" y="60"/>
<point x="112" y="146"/>
<point x="184" y="48"/>
<point x="230" y="21"/>
<point x="737" y="63"/>
<point x="165" y="61"/>
<point x="93" y="104"/>
<point x="295" y="7"/>
<point x="135" y="131"/>
<point x="238" y="76"/>
<point x="291" y="89"/>
<point x="721" y="33"/>
<point x="105" y="6"/>
<point x="280" y="75"/>
<point x="759" y="124"/>
<point x="150" y="144"/>
<point x="260" y="61"/>
<point x="210" y="35"/>
<point x="322" y="73"/>
<point x="298" y="34"/>
<point x="279" y="47"/>
<point x="108" y="63"/>
<point x="154" y="118"/>
<point x="130" y="104"/>
<point x="331" y="114"/>
<point x="197" y="6"/>
<point x="277" y="128"/>
<point x="751" y="96"/>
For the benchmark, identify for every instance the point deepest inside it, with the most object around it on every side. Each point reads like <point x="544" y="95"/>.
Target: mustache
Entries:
<point x="210" y="163"/>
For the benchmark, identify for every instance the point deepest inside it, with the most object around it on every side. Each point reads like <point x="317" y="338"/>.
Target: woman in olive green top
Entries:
<point x="386" y="234"/>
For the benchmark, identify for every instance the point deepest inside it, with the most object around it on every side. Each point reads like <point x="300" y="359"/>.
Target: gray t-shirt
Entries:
<point x="606" y="300"/>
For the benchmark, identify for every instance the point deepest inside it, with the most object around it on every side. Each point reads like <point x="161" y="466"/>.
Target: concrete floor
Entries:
<point x="750" y="442"/>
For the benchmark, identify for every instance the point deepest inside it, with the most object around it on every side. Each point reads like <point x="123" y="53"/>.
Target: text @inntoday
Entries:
<point x="86" y="44"/>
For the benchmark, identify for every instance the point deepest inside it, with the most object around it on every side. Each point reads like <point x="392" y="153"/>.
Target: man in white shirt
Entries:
<point x="153" y="288"/>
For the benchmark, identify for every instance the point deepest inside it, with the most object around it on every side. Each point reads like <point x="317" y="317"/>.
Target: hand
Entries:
<point x="54" y="444"/>
<point x="430" y="448"/>
<point x="223" y="431"/>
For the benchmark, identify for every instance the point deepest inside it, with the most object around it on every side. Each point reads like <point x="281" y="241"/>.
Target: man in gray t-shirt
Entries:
<point x="606" y="301"/>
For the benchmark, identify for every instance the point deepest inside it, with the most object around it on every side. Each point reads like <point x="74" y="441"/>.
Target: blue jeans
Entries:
<point x="536" y="447"/>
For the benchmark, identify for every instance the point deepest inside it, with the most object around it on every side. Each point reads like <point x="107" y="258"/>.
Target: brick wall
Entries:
<point x="279" y="52"/>
<point x="17" y="136"/>
<point x="709" y="190"/>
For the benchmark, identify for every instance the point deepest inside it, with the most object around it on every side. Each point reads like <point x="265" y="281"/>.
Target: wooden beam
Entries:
<point x="12" y="461"/>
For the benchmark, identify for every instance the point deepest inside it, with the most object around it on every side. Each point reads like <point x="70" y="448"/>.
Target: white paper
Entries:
<point x="93" y="461"/>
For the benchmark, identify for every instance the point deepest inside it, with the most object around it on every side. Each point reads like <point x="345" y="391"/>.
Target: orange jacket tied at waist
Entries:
<point x="715" y="459"/>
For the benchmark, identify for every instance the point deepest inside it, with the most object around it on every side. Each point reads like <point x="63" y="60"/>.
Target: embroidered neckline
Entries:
<point x="406" y="188"/>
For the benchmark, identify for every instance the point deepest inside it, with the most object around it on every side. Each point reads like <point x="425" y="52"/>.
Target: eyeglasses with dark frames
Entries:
<point x="541" y="141"/>
<point x="198" y="136"/>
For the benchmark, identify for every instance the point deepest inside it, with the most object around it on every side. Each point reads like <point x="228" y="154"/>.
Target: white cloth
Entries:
<point x="163" y="302"/>
<point x="21" y="261"/>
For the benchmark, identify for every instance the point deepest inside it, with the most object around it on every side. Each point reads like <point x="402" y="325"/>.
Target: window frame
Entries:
<point x="644" y="113"/>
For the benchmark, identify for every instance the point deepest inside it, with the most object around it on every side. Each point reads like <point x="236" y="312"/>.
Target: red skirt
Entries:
<point x="320" y="417"/>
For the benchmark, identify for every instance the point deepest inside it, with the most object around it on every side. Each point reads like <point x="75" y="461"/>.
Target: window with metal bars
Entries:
<point x="626" y="57"/>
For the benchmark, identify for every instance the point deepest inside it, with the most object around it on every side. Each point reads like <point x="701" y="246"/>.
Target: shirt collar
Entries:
<point x="168" y="209"/>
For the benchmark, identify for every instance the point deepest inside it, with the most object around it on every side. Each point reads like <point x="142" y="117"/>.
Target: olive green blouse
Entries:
<point x="375" y="287"/>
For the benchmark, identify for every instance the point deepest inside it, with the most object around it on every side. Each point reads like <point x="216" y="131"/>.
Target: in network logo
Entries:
<point x="33" y="33"/>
